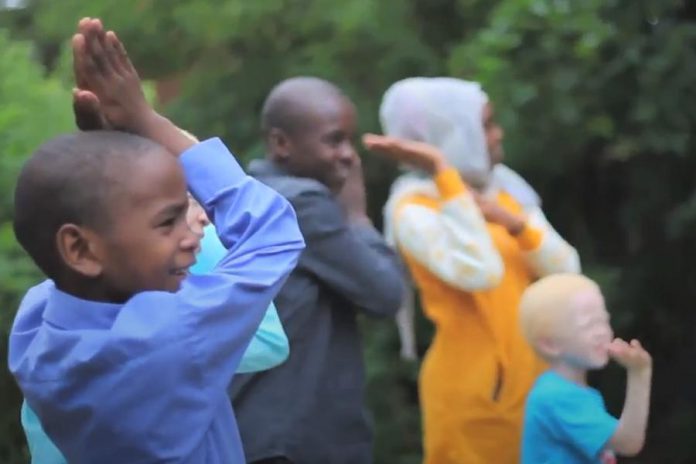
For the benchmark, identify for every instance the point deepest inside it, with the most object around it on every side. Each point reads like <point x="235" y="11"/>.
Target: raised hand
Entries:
<point x="352" y="196"/>
<point x="631" y="356"/>
<point x="109" y="92"/>
<point x="417" y="154"/>
<point x="495" y="213"/>
<point x="103" y="68"/>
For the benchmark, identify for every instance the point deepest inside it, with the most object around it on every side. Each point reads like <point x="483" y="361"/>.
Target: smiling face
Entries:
<point x="322" y="148"/>
<point x="584" y="342"/>
<point x="563" y="316"/>
<point x="149" y="245"/>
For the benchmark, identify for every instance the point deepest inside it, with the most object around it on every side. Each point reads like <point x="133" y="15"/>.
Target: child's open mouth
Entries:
<point x="181" y="272"/>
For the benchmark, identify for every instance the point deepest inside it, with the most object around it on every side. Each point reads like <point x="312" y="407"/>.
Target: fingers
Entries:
<point x="86" y="110"/>
<point x="640" y="351"/>
<point x="78" y="45"/>
<point x="377" y="142"/>
<point x="396" y="148"/>
<point x="85" y="96"/>
<point x="629" y="354"/>
<point x="118" y="54"/>
<point x="384" y="145"/>
<point x="113" y="54"/>
<point x="97" y="56"/>
<point x="617" y="347"/>
<point x="79" y="65"/>
<point x="83" y="25"/>
<point x="97" y="52"/>
<point x="88" y="66"/>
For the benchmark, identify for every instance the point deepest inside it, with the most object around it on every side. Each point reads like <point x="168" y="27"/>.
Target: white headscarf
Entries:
<point x="448" y="113"/>
<point x="443" y="112"/>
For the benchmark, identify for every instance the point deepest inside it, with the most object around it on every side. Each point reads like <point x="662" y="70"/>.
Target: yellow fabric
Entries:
<point x="530" y="238"/>
<point x="449" y="183"/>
<point x="478" y="348"/>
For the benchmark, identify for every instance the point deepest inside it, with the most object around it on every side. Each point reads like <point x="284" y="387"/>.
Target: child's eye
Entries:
<point x="334" y="139"/>
<point x="168" y="223"/>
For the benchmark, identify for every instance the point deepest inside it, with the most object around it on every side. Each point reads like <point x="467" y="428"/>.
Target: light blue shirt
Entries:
<point x="146" y="381"/>
<point x="267" y="349"/>
<point x="565" y="423"/>
<point x="41" y="448"/>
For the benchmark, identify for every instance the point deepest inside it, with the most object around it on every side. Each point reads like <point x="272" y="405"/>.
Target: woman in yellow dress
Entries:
<point x="474" y="237"/>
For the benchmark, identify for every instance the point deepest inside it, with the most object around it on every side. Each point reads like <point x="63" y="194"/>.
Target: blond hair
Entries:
<point x="546" y="304"/>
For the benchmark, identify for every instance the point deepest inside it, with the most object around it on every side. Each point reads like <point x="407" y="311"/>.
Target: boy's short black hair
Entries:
<point x="286" y="105"/>
<point x="72" y="178"/>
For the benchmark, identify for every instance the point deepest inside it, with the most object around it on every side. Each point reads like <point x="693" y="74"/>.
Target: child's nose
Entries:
<point x="348" y="152"/>
<point x="191" y="240"/>
<point x="203" y="219"/>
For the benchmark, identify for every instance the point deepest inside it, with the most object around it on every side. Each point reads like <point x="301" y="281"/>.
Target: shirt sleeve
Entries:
<point x="352" y="260"/>
<point x="545" y="250"/>
<point x="269" y="346"/>
<point x="221" y="310"/>
<point x="583" y="422"/>
<point x="453" y="243"/>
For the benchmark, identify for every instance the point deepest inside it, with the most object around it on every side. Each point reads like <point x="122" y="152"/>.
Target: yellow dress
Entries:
<point x="471" y="275"/>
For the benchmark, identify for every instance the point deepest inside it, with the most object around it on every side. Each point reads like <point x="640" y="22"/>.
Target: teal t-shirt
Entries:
<point x="565" y="422"/>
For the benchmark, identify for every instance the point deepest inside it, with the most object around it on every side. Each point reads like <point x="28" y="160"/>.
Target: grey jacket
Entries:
<point x="310" y="409"/>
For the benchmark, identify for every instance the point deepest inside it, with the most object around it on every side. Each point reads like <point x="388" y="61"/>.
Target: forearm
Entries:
<point x="630" y="434"/>
<point x="159" y="129"/>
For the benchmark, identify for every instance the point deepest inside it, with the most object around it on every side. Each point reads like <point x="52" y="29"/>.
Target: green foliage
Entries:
<point x="596" y="98"/>
<point x="33" y="109"/>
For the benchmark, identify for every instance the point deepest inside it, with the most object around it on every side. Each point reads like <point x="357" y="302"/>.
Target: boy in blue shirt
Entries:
<point x="268" y="348"/>
<point x="122" y="356"/>
<point x="564" y="318"/>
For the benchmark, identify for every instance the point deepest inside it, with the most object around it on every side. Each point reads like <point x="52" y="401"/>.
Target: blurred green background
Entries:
<point x="597" y="98"/>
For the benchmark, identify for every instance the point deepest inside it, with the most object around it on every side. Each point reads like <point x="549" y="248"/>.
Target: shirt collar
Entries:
<point x="70" y="312"/>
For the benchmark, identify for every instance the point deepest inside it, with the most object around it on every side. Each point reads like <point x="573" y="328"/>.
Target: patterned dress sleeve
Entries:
<point x="453" y="242"/>
<point x="545" y="250"/>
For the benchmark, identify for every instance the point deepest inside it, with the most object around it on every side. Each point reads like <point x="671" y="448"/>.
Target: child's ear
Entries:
<point x="549" y="347"/>
<point x="279" y="144"/>
<point x="77" y="248"/>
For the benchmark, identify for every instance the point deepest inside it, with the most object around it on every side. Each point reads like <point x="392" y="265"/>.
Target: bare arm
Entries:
<point x="629" y="437"/>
